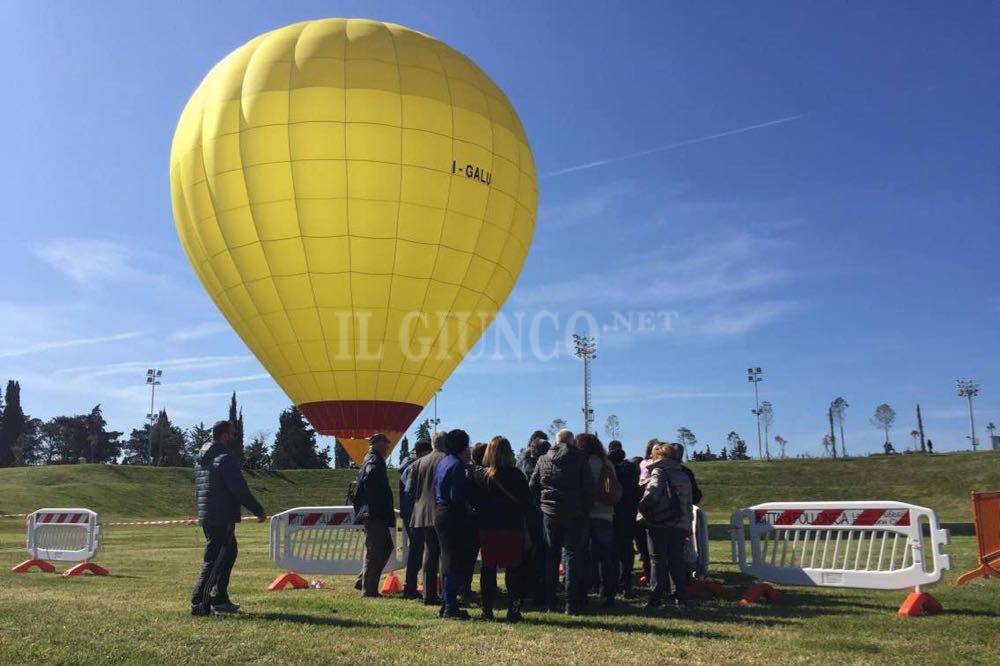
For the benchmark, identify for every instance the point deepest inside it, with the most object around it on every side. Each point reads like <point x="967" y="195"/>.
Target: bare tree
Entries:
<point x="612" y="428"/>
<point x="780" y="441"/>
<point x="556" y="426"/>
<point x="828" y="445"/>
<point x="767" y="419"/>
<point x="883" y="419"/>
<point x="837" y="408"/>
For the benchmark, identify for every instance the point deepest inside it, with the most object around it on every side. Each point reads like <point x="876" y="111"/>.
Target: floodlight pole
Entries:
<point x="435" y="420"/>
<point x="153" y="378"/>
<point x="754" y="377"/>
<point x="586" y="349"/>
<point x="969" y="388"/>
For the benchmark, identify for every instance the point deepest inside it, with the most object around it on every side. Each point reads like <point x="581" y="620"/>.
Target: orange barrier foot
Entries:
<point x="25" y="567"/>
<point x="95" y="569"/>
<point x="759" y="591"/>
<point x="392" y="584"/>
<point x="288" y="578"/>
<point x="919" y="603"/>
<point x="710" y="588"/>
<point x="982" y="572"/>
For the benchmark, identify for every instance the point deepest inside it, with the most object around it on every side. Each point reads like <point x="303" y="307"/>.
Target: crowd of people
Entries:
<point x="562" y="518"/>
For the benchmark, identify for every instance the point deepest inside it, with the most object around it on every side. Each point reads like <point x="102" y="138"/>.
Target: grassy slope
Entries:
<point x="941" y="482"/>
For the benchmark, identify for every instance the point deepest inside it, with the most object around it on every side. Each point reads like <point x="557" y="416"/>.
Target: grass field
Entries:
<point x="139" y="613"/>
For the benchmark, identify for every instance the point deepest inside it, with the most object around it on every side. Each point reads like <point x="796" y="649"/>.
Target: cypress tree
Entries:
<point x="295" y="443"/>
<point x="12" y="426"/>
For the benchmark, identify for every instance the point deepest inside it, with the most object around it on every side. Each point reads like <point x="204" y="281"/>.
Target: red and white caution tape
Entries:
<point x="872" y="517"/>
<point x="187" y="521"/>
<point x="132" y="523"/>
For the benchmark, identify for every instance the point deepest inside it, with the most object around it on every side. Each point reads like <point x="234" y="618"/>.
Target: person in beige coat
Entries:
<point x="422" y="494"/>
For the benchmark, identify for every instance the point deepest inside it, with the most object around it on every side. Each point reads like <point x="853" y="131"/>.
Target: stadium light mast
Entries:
<point x="969" y="388"/>
<point x="153" y="379"/>
<point x="754" y="376"/>
<point x="435" y="421"/>
<point x="586" y="349"/>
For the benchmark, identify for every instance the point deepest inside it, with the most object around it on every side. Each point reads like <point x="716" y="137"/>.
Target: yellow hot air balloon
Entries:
<point x="358" y="200"/>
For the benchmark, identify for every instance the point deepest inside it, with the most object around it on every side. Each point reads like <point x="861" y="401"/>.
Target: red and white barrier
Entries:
<point x="867" y="545"/>
<point x="63" y="535"/>
<point x="323" y="540"/>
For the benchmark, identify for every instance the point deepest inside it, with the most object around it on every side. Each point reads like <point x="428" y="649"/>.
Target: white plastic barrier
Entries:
<point x="63" y="535"/>
<point x="871" y="545"/>
<point x="324" y="540"/>
<point x="696" y="547"/>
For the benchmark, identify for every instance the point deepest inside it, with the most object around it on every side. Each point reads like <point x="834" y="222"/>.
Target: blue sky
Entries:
<point x="849" y="249"/>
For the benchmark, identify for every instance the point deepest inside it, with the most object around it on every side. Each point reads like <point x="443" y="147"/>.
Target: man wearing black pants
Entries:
<point x="415" y="557"/>
<point x="374" y="508"/>
<point x="220" y="490"/>
<point x="625" y="511"/>
<point x="422" y="494"/>
<point x="564" y="487"/>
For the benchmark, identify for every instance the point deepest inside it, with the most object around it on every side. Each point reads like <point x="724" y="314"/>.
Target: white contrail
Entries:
<point x="63" y="344"/>
<point x="669" y="146"/>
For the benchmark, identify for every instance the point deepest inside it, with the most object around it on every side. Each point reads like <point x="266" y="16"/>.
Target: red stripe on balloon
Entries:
<point x="358" y="419"/>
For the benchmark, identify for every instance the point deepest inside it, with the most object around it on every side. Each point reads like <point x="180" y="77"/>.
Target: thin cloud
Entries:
<point x="87" y="261"/>
<point x="709" y="269"/>
<point x="185" y="363"/>
<point x="199" y="331"/>
<point x="218" y="381"/>
<point x="632" y="393"/>
<point x="64" y="344"/>
<point x="745" y="318"/>
<point x="669" y="146"/>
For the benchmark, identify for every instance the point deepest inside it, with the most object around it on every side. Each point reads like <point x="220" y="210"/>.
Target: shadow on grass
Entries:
<point x="624" y="628"/>
<point x="320" y="620"/>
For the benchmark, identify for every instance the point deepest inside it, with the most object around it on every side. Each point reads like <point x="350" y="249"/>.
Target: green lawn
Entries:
<point x="138" y="615"/>
<point x="941" y="482"/>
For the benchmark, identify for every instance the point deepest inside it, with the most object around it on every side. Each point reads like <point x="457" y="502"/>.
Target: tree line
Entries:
<point x="85" y="438"/>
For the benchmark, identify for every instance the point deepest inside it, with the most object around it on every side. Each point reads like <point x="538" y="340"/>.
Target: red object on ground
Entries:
<point x="25" y="567"/>
<point x="759" y="591"/>
<point x="919" y="603"/>
<point x="715" y="590"/>
<point x="391" y="585"/>
<point x="986" y="515"/>
<point x="440" y="587"/>
<point x="288" y="578"/>
<point x="95" y="569"/>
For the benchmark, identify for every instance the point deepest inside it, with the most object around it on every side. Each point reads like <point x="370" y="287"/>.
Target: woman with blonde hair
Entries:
<point x="666" y="507"/>
<point x="504" y="505"/>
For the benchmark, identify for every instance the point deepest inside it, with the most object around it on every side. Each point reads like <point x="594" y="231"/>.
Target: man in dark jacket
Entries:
<point x="564" y="486"/>
<point x="373" y="506"/>
<point x="422" y="493"/>
<point x="625" y="511"/>
<point x="695" y="490"/>
<point x="534" y="568"/>
<point x="415" y="556"/>
<point x="220" y="490"/>
<point x="538" y="446"/>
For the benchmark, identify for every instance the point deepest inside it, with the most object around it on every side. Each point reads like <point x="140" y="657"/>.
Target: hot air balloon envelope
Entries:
<point x="357" y="199"/>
